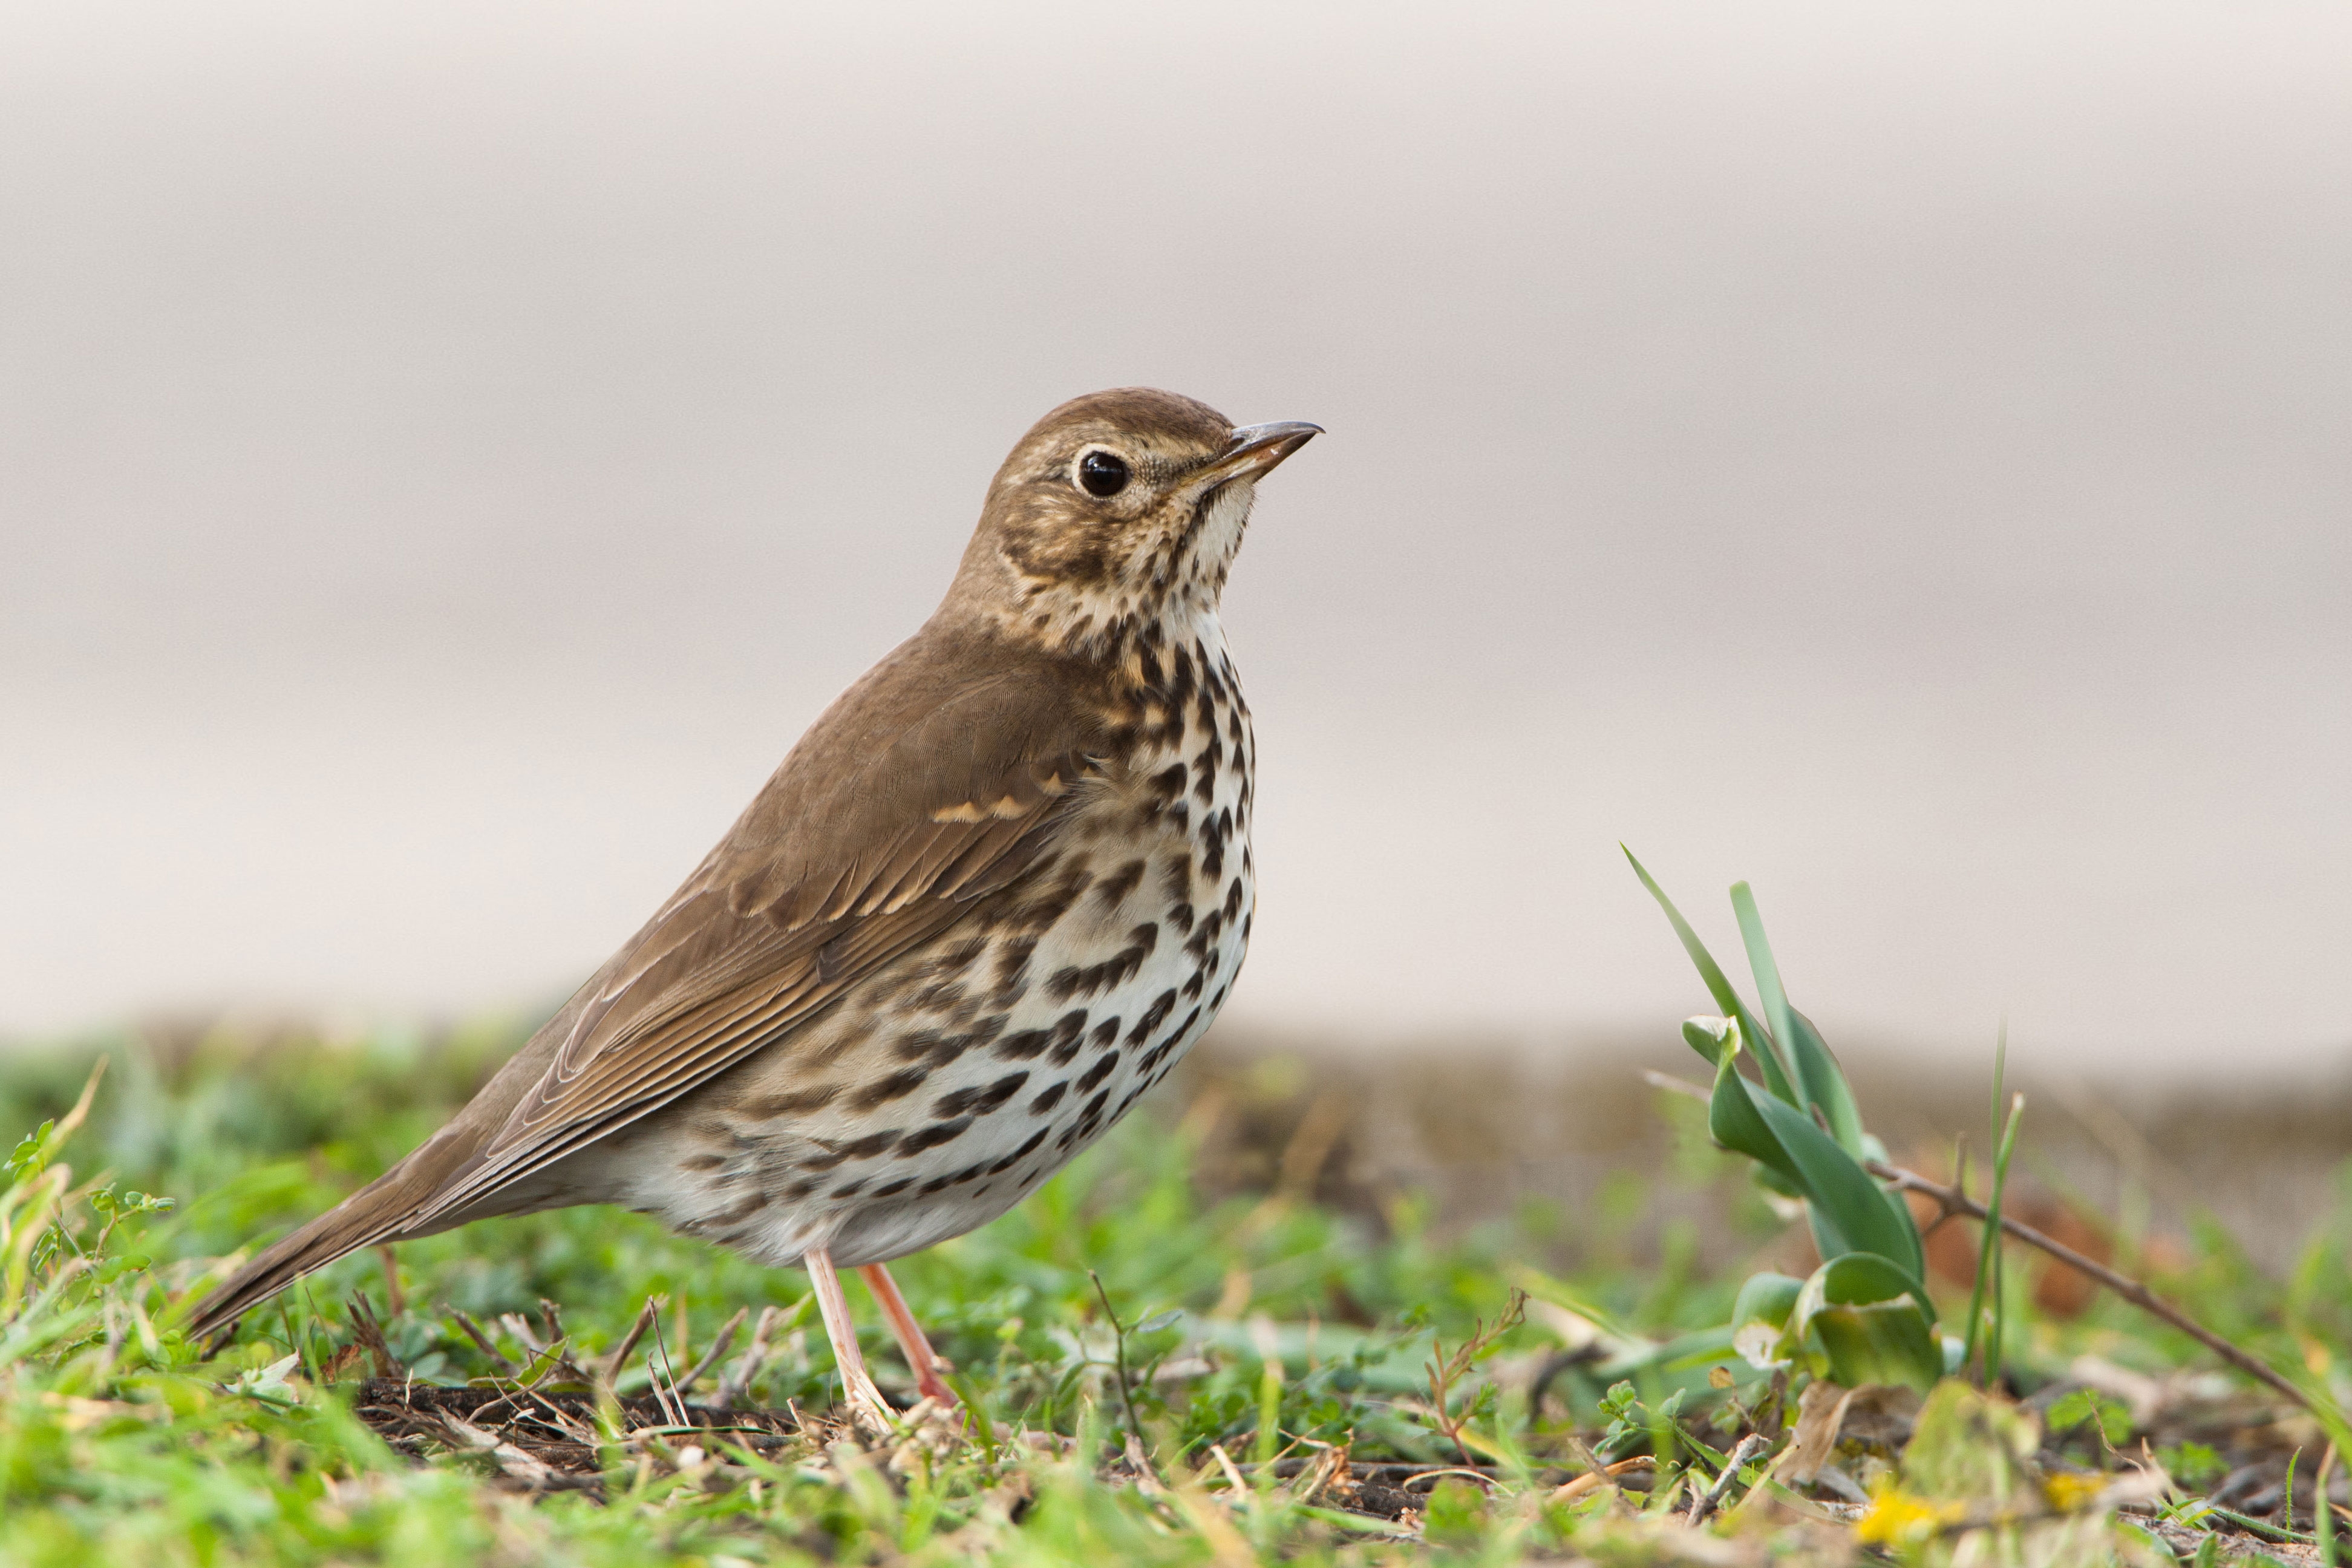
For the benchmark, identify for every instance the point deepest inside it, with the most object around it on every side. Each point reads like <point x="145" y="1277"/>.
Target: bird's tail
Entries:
<point x="384" y="1210"/>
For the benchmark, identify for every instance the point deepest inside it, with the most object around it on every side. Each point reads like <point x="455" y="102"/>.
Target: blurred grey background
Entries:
<point x="1898" y="455"/>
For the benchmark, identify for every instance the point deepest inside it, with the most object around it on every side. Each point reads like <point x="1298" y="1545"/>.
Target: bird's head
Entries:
<point x="1116" y="511"/>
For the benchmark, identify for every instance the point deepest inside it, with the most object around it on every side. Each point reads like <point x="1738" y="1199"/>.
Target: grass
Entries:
<point x="1156" y="1377"/>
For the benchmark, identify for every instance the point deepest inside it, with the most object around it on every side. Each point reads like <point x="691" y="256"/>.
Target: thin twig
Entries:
<point x="672" y="1406"/>
<point x="474" y="1332"/>
<point x="608" y="1369"/>
<point x="1954" y="1201"/>
<point x="718" y="1349"/>
<point x="737" y="1378"/>
<point x="1706" y="1502"/>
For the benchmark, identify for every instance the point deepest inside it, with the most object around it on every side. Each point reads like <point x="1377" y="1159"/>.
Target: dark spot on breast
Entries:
<point x="1115" y="971"/>
<point x="702" y="1163"/>
<point x="937" y="998"/>
<point x="981" y="1099"/>
<point x="1013" y="968"/>
<point x="955" y="960"/>
<point x="1176" y="877"/>
<point x="794" y="1192"/>
<point x="941" y="1184"/>
<point x="1104" y="1034"/>
<point x="892" y="1189"/>
<point x="1028" y="1043"/>
<point x="1158" y="1052"/>
<point x="1040" y="913"/>
<point x="751" y="1205"/>
<point x="854" y="1148"/>
<point x="796" y="1103"/>
<point x="1181" y="917"/>
<point x="1103" y="1066"/>
<point x="932" y="1137"/>
<point x="1234" y="896"/>
<point x="1204" y="941"/>
<point x="1050" y="1099"/>
<point x="935" y="1048"/>
<point x="1153" y="1016"/>
<point x="1115" y="889"/>
<point x="1022" y="1152"/>
<point x="1065" y="1034"/>
<point x="1167" y="784"/>
<point x="882" y="1092"/>
<point x="1192" y="986"/>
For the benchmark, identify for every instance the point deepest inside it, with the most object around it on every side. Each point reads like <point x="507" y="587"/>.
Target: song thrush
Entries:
<point x="990" y="899"/>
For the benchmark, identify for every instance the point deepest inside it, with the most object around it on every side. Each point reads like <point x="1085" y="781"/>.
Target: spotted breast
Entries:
<point x="957" y="1078"/>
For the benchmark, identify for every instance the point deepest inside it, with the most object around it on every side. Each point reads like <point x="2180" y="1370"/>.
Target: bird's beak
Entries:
<point x="1257" y="449"/>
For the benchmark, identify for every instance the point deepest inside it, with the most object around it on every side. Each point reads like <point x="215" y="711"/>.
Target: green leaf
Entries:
<point x="1759" y="1317"/>
<point x="1871" y="1319"/>
<point x="1709" y="1036"/>
<point x="1850" y="1212"/>
<point x="1718" y="984"/>
<point x="1733" y="1120"/>
<point x="1767" y="1297"/>
<point x="1824" y="1085"/>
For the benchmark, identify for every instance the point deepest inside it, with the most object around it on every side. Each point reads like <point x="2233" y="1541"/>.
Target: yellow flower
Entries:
<point x="1896" y="1517"/>
<point x="2067" y="1492"/>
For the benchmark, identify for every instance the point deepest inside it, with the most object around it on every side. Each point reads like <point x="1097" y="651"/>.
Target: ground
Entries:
<point x="1160" y="1366"/>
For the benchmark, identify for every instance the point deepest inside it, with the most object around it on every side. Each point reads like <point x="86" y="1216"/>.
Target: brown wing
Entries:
<point x="876" y="836"/>
<point x="924" y="788"/>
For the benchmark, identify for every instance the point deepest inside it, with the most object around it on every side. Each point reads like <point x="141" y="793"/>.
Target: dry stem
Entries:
<point x="1953" y="1200"/>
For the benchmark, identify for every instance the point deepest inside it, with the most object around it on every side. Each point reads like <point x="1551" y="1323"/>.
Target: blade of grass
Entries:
<point x="1719" y="987"/>
<point x="2322" y="1512"/>
<point x="1818" y="1081"/>
<point x="1989" y="1249"/>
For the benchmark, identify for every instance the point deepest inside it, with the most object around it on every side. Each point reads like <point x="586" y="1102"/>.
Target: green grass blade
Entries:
<point x="2322" y="1512"/>
<point x="1768" y="989"/>
<point x="1719" y="987"/>
<point x="1991" y="1271"/>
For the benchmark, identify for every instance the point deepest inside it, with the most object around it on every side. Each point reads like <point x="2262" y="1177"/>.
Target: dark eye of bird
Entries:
<point x="1102" y="473"/>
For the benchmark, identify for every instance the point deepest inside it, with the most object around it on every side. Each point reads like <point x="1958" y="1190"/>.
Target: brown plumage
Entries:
<point x="1021" y="838"/>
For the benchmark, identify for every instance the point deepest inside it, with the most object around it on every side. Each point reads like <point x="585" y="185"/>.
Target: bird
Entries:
<point x="991" y="897"/>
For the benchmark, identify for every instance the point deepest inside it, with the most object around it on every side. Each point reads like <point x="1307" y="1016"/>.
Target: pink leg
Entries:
<point x="927" y="1363"/>
<point x="867" y="1405"/>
